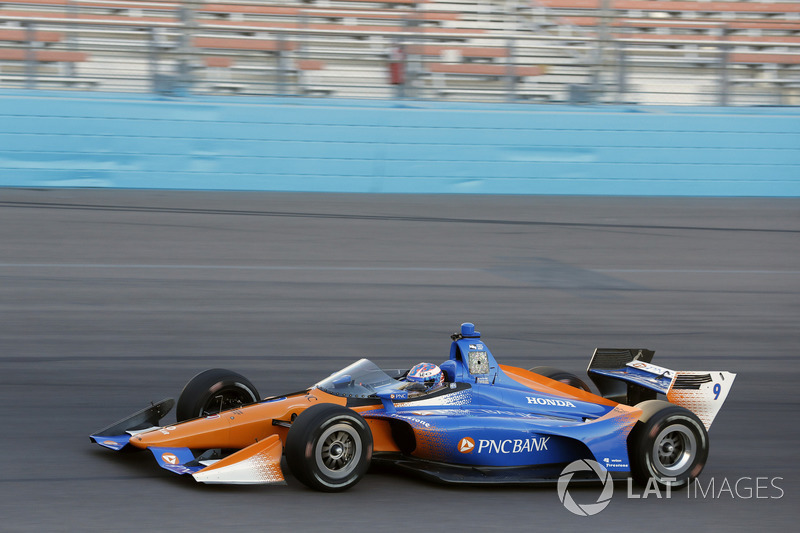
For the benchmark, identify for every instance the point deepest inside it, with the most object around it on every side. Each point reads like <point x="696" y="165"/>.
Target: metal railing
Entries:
<point x="503" y="52"/>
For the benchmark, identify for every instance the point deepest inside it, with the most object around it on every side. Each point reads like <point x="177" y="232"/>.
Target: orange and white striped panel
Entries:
<point x="259" y="463"/>
<point x="702" y="396"/>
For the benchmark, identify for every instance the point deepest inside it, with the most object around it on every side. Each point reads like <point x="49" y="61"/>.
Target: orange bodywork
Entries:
<point x="239" y="428"/>
<point x="550" y="386"/>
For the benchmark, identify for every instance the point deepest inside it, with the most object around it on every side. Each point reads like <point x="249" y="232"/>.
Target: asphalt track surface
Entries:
<point x="111" y="299"/>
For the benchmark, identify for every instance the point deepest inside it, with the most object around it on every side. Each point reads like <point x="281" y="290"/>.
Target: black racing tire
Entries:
<point x="561" y="375"/>
<point x="329" y="447"/>
<point x="668" y="444"/>
<point x="213" y="391"/>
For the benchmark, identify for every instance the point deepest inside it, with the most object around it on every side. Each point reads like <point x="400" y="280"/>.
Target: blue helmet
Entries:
<point x="428" y="374"/>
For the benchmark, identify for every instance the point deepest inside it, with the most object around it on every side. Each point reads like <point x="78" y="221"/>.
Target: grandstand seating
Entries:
<point x="21" y="36"/>
<point x="473" y="49"/>
<point x="42" y="56"/>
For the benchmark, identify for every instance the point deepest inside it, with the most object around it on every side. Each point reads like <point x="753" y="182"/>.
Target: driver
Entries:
<point x="424" y="377"/>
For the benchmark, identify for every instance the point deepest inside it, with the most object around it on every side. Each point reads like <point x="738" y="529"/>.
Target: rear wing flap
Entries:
<point x="628" y="376"/>
<point x="607" y="370"/>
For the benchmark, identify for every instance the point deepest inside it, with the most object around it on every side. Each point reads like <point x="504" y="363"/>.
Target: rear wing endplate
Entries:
<point x="628" y="376"/>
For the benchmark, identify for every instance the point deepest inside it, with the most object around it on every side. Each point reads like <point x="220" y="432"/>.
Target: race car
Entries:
<point x="466" y="420"/>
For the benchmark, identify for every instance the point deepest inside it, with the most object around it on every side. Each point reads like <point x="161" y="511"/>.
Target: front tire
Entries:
<point x="214" y="391"/>
<point x="669" y="444"/>
<point x="561" y="375"/>
<point x="329" y="447"/>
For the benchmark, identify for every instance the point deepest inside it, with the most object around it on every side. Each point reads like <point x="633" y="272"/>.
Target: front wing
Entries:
<point x="258" y="463"/>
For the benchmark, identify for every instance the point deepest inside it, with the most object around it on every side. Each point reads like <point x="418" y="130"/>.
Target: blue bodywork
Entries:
<point x="482" y="417"/>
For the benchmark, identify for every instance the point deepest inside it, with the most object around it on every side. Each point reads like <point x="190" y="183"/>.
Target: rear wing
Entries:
<point x="628" y="376"/>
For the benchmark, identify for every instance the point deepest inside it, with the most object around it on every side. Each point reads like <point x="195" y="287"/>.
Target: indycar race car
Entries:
<point x="481" y="422"/>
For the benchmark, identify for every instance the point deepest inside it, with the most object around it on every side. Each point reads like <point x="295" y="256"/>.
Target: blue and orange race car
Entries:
<point x="482" y="423"/>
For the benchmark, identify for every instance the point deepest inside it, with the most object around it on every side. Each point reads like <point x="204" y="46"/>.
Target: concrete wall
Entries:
<point x="95" y="140"/>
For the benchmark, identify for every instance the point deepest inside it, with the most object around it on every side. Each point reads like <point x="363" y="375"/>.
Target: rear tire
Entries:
<point x="668" y="441"/>
<point x="560" y="375"/>
<point x="329" y="447"/>
<point x="214" y="391"/>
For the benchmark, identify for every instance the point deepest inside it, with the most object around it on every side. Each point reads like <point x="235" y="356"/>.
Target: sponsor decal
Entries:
<point x="550" y="401"/>
<point x="466" y="445"/>
<point x="212" y="417"/>
<point x="532" y="444"/>
<point x="170" y="458"/>
<point x="653" y="369"/>
<point x="418" y="421"/>
<point x="617" y="465"/>
<point x="110" y="442"/>
<point x="614" y="463"/>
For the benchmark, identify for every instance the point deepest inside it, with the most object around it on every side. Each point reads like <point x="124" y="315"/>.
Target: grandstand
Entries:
<point x="578" y="51"/>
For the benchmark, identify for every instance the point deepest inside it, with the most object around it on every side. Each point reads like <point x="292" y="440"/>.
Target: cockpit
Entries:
<point x="470" y="362"/>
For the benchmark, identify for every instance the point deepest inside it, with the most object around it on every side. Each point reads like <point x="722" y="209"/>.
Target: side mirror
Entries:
<point x="388" y="397"/>
<point x="342" y="381"/>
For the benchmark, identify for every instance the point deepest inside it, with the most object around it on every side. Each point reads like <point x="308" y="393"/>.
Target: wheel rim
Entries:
<point x="227" y="398"/>
<point x="338" y="451"/>
<point x="674" y="450"/>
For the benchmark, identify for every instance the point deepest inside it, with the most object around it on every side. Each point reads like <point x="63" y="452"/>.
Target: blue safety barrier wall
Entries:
<point x="50" y="139"/>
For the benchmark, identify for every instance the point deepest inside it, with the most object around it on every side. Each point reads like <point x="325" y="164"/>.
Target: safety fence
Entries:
<point x="552" y="51"/>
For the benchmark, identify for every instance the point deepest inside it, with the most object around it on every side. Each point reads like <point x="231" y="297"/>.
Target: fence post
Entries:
<point x="184" y="72"/>
<point x="411" y="70"/>
<point x="603" y="40"/>
<point x="724" y="61"/>
<point x="622" y="72"/>
<point x="30" y="55"/>
<point x="280" y="81"/>
<point x="511" y="71"/>
<point x="71" y="41"/>
<point x="155" y="84"/>
<point x="300" y="87"/>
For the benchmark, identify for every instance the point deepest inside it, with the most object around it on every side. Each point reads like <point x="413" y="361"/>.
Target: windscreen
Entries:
<point x="359" y="380"/>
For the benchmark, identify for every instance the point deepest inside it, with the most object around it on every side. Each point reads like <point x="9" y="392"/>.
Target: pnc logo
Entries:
<point x="466" y="445"/>
<point x="530" y="445"/>
<point x="170" y="458"/>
